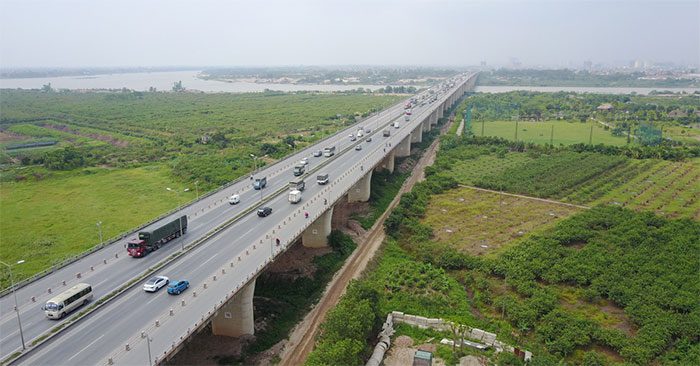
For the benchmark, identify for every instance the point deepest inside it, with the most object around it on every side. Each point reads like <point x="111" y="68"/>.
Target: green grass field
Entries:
<point x="47" y="221"/>
<point x="565" y="133"/>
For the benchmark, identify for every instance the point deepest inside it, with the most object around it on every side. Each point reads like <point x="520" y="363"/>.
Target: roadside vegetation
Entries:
<point x="117" y="152"/>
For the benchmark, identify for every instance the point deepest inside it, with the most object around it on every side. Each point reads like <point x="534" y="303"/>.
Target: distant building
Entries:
<point x="605" y="107"/>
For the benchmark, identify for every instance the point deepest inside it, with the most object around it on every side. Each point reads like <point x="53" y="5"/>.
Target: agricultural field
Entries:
<point x="668" y="188"/>
<point x="556" y="132"/>
<point x="482" y="223"/>
<point x="548" y="175"/>
<point x="54" y="219"/>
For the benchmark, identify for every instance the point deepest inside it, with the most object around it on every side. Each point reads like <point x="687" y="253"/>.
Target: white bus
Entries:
<point x="70" y="299"/>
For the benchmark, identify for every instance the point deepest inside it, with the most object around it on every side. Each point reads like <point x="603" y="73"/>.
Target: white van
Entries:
<point x="235" y="199"/>
<point x="294" y="196"/>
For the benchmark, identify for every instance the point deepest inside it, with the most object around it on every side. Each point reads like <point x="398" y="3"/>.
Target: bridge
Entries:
<point x="225" y="249"/>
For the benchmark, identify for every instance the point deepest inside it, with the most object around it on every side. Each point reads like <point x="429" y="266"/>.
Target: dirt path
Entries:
<point x="526" y="197"/>
<point x="303" y="338"/>
<point x="460" y="129"/>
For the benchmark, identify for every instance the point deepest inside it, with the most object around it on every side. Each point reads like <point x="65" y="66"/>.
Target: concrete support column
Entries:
<point x="361" y="190"/>
<point x="316" y="235"/>
<point x="387" y="163"/>
<point x="425" y="125"/>
<point x="417" y="135"/>
<point x="441" y="110"/>
<point x="403" y="148"/>
<point x="434" y="118"/>
<point x="235" y="318"/>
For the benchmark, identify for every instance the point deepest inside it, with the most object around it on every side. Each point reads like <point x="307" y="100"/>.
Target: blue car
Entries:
<point x="176" y="287"/>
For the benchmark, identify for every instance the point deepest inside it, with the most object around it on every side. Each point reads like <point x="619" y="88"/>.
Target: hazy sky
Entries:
<point x="327" y="32"/>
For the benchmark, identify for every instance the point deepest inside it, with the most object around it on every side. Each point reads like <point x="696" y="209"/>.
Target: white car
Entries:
<point x="155" y="283"/>
<point x="234" y="199"/>
<point x="304" y="161"/>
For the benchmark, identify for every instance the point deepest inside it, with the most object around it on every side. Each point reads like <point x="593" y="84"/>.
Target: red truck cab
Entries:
<point x="136" y="248"/>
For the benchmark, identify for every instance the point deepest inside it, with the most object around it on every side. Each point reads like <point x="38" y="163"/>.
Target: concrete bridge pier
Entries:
<point x="441" y="110"/>
<point x="235" y="318"/>
<point x="361" y="190"/>
<point x="434" y="118"/>
<point x="316" y="235"/>
<point x="387" y="163"/>
<point x="403" y="149"/>
<point x="425" y="125"/>
<point x="417" y="135"/>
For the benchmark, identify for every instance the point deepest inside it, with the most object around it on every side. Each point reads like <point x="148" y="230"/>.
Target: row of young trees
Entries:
<point x="531" y="105"/>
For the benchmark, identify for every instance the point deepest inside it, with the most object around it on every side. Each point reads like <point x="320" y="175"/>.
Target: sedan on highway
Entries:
<point x="177" y="287"/>
<point x="155" y="283"/>
<point x="264" y="211"/>
<point x="358" y="147"/>
<point x="318" y="153"/>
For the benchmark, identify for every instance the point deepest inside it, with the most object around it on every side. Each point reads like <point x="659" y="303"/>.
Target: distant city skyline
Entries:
<point x="131" y="33"/>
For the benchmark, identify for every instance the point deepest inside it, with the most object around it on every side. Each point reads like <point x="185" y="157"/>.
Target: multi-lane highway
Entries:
<point x="234" y="256"/>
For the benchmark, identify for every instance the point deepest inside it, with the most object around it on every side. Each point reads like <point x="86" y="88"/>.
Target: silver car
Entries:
<point x="155" y="283"/>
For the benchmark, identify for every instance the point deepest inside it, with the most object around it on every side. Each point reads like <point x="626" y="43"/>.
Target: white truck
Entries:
<point x="294" y="196"/>
<point x="360" y="132"/>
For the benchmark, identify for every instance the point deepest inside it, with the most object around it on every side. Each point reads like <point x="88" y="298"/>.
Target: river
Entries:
<point x="163" y="81"/>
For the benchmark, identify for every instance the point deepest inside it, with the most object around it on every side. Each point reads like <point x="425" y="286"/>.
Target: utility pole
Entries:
<point x="590" y="136"/>
<point x="516" y="130"/>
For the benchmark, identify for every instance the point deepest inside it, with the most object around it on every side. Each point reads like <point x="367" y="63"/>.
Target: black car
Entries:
<point x="369" y="139"/>
<point x="264" y="211"/>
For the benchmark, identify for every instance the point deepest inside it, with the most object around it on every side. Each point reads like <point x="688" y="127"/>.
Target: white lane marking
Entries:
<point x="205" y="262"/>
<point x="8" y="336"/>
<point x="86" y="347"/>
<point x="151" y="300"/>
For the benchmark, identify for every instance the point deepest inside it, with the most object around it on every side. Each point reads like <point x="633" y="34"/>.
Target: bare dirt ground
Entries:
<point x="303" y="337"/>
